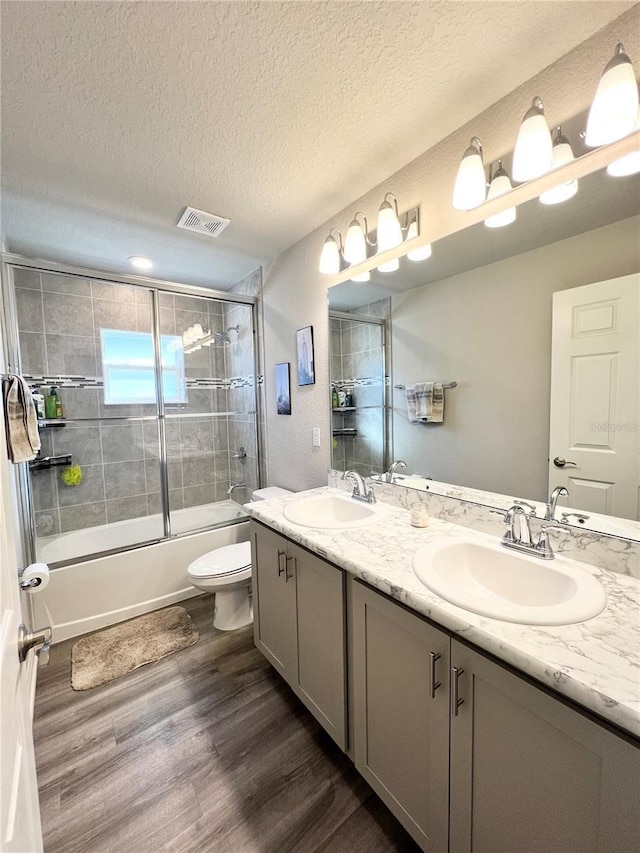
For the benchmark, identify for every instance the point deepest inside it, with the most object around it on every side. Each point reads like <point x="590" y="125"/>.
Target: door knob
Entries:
<point x="559" y="462"/>
<point x="30" y="639"/>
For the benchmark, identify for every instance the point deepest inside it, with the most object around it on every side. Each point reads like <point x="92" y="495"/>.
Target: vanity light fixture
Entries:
<point x="331" y="255"/>
<point x="470" y="188"/>
<point x="627" y="165"/>
<point x="533" y="154"/>
<point x="389" y="228"/>
<point x="365" y="276"/>
<point x="423" y="252"/>
<point x="357" y="241"/>
<point x="140" y="262"/>
<point x="562" y="154"/>
<point x="614" y="111"/>
<point x="500" y="184"/>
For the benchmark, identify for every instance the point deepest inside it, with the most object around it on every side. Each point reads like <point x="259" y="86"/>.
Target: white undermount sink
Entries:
<point x="332" y="511"/>
<point x="493" y="581"/>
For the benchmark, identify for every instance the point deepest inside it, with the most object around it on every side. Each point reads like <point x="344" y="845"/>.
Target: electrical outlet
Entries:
<point x="315" y="432"/>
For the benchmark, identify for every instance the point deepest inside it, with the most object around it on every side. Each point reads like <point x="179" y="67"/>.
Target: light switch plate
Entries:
<point x="315" y="436"/>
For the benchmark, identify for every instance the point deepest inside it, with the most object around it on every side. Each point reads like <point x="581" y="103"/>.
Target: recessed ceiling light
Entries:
<point x="140" y="263"/>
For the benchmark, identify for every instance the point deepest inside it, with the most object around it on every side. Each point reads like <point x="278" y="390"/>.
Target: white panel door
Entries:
<point x="19" y="810"/>
<point x="595" y="396"/>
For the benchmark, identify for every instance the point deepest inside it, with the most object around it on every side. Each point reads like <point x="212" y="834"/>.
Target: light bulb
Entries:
<point x="330" y="257"/>
<point x="389" y="230"/>
<point x="355" y="244"/>
<point x="365" y="276"/>
<point x="562" y="154"/>
<point x="614" y="110"/>
<point x="500" y="184"/>
<point x="533" y="154"/>
<point x="423" y="252"/>
<point x="470" y="187"/>
<point x="390" y="266"/>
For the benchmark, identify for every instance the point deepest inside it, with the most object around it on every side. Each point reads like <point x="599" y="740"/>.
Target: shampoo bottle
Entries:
<point x="53" y="404"/>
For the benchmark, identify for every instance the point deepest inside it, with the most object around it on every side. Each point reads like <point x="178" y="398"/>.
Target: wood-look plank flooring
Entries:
<point x="205" y="750"/>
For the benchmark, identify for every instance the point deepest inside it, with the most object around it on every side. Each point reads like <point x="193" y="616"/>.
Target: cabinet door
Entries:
<point x="530" y="775"/>
<point x="274" y="625"/>
<point x="321" y="671"/>
<point x="401" y="724"/>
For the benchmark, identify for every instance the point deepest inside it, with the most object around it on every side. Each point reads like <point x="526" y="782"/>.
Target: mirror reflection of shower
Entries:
<point x="195" y="337"/>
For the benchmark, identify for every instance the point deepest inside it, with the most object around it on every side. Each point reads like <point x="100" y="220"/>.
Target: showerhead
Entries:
<point x="223" y="337"/>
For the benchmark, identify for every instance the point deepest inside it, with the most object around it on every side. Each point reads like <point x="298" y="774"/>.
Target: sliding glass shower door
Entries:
<point x="158" y="399"/>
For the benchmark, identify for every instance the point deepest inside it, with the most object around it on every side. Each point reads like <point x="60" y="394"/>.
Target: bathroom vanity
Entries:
<point x="479" y="735"/>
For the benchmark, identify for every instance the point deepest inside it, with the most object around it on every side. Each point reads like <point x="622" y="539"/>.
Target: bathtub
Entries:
<point x="124" y="534"/>
<point x="88" y="595"/>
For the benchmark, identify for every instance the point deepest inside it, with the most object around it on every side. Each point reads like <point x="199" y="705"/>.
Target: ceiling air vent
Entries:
<point x="201" y="222"/>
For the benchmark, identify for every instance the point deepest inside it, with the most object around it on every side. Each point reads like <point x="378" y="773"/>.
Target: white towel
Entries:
<point x="424" y="401"/>
<point x="437" y="408"/>
<point x="411" y="404"/>
<point x="21" y="420"/>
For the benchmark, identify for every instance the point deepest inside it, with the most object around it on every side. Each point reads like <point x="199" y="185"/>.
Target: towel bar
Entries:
<point x="444" y="385"/>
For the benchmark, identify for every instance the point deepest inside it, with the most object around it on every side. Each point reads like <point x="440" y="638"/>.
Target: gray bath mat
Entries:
<point x="100" y="658"/>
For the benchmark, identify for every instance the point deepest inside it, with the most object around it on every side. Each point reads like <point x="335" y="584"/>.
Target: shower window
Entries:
<point x="128" y="361"/>
<point x="143" y="467"/>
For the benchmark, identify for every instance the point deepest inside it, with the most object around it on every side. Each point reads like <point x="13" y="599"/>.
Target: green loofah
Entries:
<point x="72" y="476"/>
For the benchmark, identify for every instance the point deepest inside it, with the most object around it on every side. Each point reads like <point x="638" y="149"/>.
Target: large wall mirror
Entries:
<point x="538" y="324"/>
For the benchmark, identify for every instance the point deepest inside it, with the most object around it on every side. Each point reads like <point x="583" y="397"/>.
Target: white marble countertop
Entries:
<point x="594" y="663"/>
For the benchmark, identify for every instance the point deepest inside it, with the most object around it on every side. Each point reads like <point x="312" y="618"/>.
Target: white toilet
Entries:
<point x="227" y="572"/>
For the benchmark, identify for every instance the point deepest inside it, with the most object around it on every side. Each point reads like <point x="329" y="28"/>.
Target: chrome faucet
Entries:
<point x="400" y="463"/>
<point x="518" y="535"/>
<point x="550" y="514"/>
<point x="360" y="491"/>
<point x="235" y="486"/>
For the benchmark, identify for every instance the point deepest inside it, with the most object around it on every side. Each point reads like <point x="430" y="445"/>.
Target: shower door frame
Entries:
<point x="11" y="351"/>
<point x="387" y="425"/>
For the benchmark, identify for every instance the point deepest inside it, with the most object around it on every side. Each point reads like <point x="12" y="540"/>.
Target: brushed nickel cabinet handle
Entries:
<point x="433" y="657"/>
<point x="281" y="568"/>
<point x="288" y="576"/>
<point x="455" y="699"/>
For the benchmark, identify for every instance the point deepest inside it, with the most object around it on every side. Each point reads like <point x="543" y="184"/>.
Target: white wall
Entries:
<point x="295" y="293"/>
<point x="490" y="330"/>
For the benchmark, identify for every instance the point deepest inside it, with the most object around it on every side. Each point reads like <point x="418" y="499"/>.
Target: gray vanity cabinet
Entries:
<point x="530" y="774"/>
<point x="299" y="624"/>
<point x="401" y="713"/>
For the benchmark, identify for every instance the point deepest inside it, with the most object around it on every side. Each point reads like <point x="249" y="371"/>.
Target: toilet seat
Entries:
<point x="227" y="562"/>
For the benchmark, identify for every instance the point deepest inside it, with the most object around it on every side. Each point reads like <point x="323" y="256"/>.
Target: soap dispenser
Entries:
<point x="53" y="404"/>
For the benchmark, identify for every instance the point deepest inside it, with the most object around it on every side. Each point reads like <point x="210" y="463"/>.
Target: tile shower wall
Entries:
<point x="357" y="364"/>
<point x="59" y="318"/>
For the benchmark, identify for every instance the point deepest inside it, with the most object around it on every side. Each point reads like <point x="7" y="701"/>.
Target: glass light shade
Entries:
<point x="198" y="331"/>
<point x="500" y="184"/>
<point x="614" y="111"/>
<point x="355" y="246"/>
<point x="330" y="257"/>
<point x="562" y="154"/>
<point x="365" y="276"/>
<point x="627" y="165"/>
<point x="470" y="187"/>
<point x="533" y="154"/>
<point x="390" y="266"/>
<point x="389" y="230"/>
<point x="423" y="252"/>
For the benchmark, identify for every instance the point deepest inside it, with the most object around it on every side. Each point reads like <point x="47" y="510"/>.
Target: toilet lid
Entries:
<point x="222" y="561"/>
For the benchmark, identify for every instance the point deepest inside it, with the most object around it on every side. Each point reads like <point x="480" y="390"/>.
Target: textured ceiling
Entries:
<point x="116" y="115"/>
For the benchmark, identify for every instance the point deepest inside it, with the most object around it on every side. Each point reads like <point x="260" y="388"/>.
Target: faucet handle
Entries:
<point x="504" y="513"/>
<point x="543" y="545"/>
